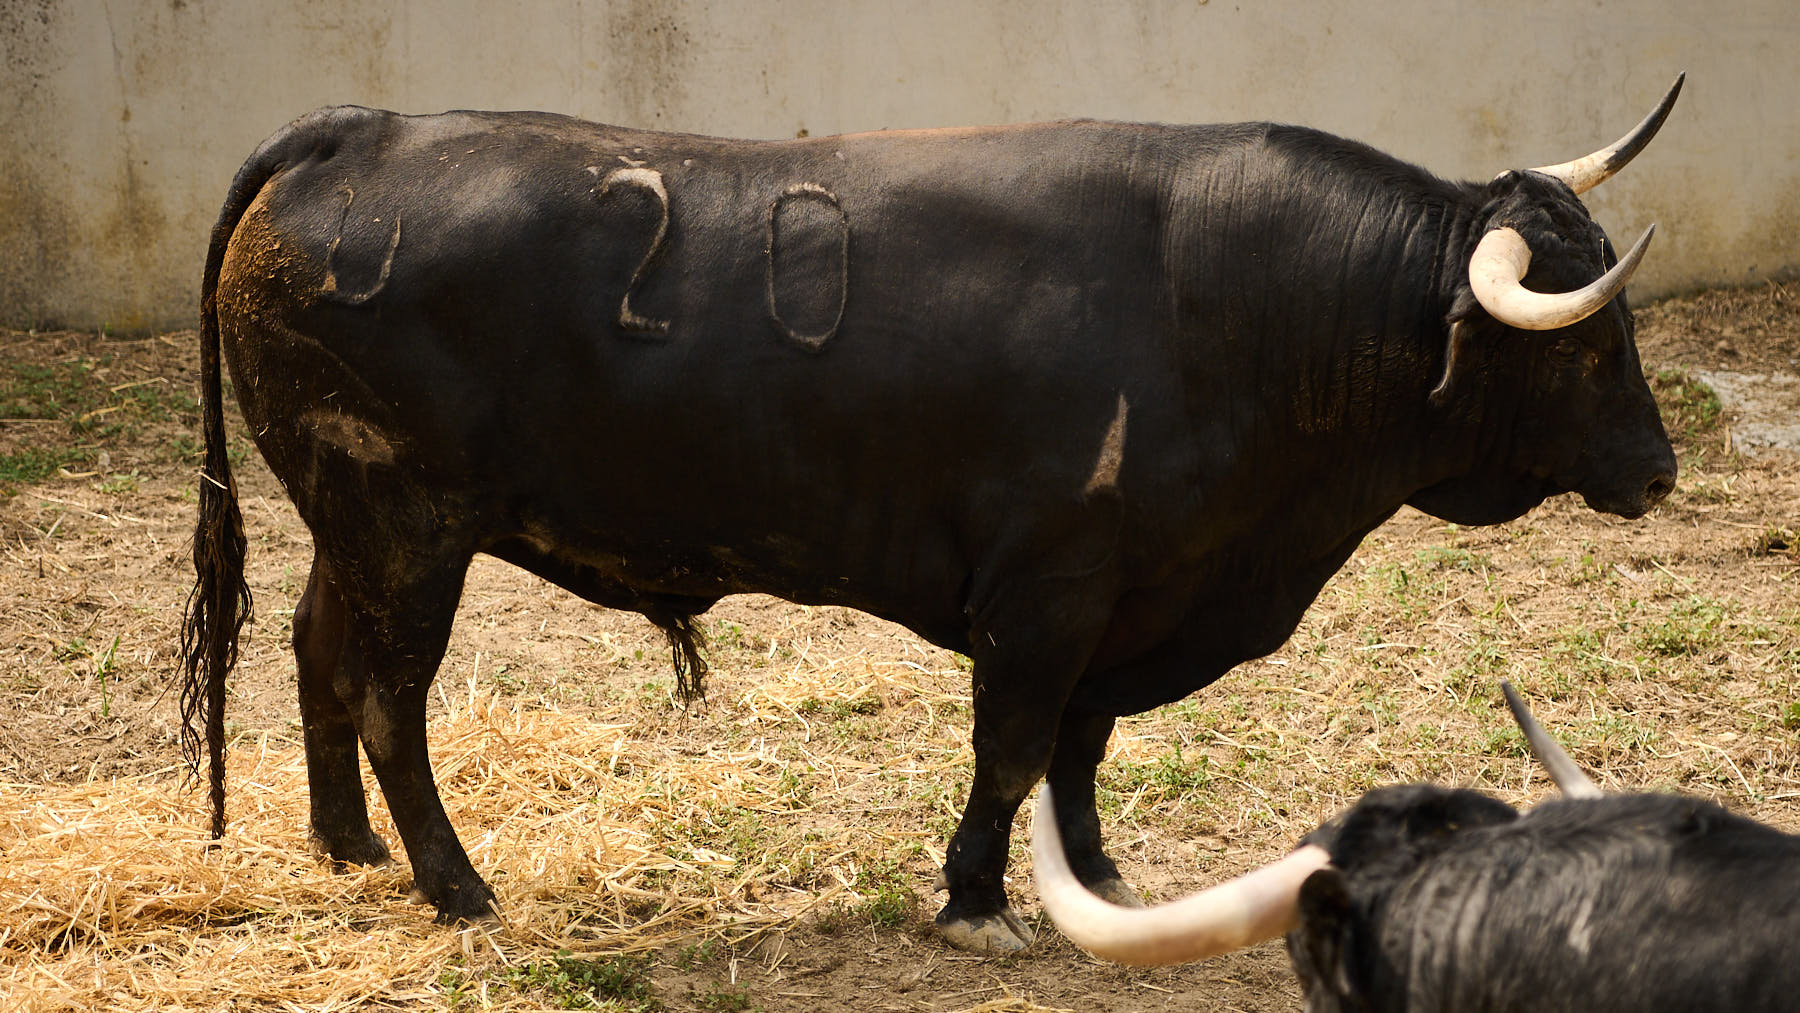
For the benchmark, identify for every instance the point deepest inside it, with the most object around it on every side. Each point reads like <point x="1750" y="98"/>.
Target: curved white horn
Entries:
<point x="1562" y="768"/>
<point x="1245" y="911"/>
<point x="1589" y="171"/>
<point x="1501" y="260"/>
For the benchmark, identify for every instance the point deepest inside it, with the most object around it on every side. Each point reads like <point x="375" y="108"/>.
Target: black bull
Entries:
<point x="1100" y="405"/>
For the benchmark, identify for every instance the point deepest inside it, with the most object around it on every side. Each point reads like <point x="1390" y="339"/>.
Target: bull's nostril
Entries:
<point x="1660" y="487"/>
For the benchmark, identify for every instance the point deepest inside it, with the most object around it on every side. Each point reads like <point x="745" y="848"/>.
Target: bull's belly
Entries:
<point x="627" y="571"/>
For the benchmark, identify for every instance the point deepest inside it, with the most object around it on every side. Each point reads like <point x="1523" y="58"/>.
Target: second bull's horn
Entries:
<point x="1563" y="769"/>
<point x="1589" y="171"/>
<point x="1254" y="907"/>
<point x="1500" y="262"/>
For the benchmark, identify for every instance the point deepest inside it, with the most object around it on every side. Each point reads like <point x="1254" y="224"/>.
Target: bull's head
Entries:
<point x="1397" y="824"/>
<point x="1544" y="291"/>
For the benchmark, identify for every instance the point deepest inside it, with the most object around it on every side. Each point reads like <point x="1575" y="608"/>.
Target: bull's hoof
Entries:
<point x="368" y="850"/>
<point x="465" y="907"/>
<point x="488" y="920"/>
<point x="995" y="935"/>
<point x="1117" y="891"/>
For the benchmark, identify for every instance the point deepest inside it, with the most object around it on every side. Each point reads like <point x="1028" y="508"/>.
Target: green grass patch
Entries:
<point x="30" y="465"/>
<point x="890" y="901"/>
<point x="93" y="412"/>
<point x="1444" y="557"/>
<point x="73" y="392"/>
<point x="1579" y="651"/>
<point x="695" y="954"/>
<point x="567" y="982"/>
<point x="725" y="1000"/>
<point x="1169" y="774"/>
<point x="54" y="391"/>
<point x="1691" y="627"/>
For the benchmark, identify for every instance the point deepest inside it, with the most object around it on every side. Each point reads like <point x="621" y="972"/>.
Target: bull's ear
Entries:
<point x="1324" y="946"/>
<point x="1458" y="354"/>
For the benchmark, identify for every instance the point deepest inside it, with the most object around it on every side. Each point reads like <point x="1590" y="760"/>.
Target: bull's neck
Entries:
<point x="1322" y="329"/>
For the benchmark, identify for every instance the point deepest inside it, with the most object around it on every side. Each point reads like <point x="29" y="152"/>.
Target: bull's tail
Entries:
<point x="219" y="605"/>
<point x="220" y="602"/>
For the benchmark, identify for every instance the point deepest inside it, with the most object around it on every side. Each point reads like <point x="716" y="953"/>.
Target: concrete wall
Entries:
<point x="123" y="120"/>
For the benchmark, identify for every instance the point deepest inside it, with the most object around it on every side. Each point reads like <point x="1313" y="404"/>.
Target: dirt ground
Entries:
<point x="775" y="848"/>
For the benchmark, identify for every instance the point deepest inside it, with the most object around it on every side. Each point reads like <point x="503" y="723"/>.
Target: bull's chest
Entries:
<point x="1166" y="642"/>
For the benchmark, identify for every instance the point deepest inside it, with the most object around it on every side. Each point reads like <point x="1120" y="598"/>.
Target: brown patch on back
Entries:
<point x="264" y="271"/>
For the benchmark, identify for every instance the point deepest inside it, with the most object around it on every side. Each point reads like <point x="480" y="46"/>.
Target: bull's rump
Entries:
<point x="489" y="315"/>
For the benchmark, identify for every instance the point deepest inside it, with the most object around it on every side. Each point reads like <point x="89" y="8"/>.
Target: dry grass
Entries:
<point x="108" y="884"/>
<point x="773" y="849"/>
<point x="112" y="897"/>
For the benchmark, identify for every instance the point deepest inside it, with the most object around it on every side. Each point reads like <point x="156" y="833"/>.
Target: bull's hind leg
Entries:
<point x="1080" y="746"/>
<point x="340" y="811"/>
<point x="395" y="633"/>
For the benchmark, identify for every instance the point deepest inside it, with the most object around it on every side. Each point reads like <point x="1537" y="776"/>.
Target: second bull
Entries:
<point x="1422" y="899"/>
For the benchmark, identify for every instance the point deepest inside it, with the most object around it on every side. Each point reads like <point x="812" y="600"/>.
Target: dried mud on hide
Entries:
<point x="775" y="848"/>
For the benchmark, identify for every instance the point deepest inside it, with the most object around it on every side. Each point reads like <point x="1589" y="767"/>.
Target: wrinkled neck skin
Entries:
<point x="1315" y="293"/>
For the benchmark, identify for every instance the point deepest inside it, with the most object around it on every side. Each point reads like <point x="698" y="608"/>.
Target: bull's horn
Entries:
<point x="1254" y="907"/>
<point x="1583" y="174"/>
<point x="1501" y="260"/>
<point x="1568" y="777"/>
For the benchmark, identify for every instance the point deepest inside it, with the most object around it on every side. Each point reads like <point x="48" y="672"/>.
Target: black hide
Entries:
<point x="1446" y="900"/>
<point x="1100" y="405"/>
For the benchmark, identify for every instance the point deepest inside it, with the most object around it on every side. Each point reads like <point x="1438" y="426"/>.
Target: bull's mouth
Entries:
<point x="1634" y="503"/>
<point x="1632" y="507"/>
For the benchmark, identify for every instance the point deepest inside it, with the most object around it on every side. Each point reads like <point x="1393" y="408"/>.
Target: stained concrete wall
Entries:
<point x="123" y="120"/>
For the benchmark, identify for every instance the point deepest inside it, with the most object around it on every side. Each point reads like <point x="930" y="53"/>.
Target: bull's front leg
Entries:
<point x="1021" y="682"/>
<point x="1080" y="746"/>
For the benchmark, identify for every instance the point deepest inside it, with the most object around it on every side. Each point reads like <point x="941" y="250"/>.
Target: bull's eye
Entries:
<point x="1566" y="349"/>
